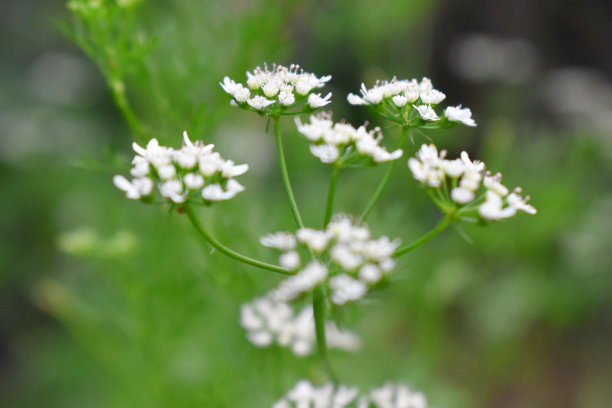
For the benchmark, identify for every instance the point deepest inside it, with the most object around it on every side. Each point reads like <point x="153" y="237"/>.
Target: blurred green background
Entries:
<point x="106" y="302"/>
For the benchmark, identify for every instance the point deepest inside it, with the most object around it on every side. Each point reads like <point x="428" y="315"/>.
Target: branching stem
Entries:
<point x="445" y="222"/>
<point x="227" y="251"/>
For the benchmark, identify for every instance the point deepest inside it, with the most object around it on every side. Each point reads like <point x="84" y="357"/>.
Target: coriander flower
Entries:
<point x="273" y="92"/>
<point x="458" y="114"/>
<point x="341" y="144"/>
<point x="427" y="112"/>
<point x="268" y="321"/>
<point x="395" y="100"/>
<point x="390" y="395"/>
<point x="193" y="172"/>
<point x="347" y="260"/>
<point x="464" y="179"/>
<point x="304" y="395"/>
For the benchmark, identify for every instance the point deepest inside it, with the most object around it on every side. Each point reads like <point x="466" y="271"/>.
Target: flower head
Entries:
<point x="395" y="99"/>
<point x="274" y="91"/>
<point x="464" y="179"/>
<point x="194" y="171"/>
<point x="390" y="395"/>
<point x="341" y="143"/>
<point x="268" y="321"/>
<point x="347" y="260"/>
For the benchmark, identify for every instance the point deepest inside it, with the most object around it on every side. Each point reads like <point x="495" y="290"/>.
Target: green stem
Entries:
<point x="318" y="307"/>
<point x="445" y="222"/>
<point x="385" y="179"/>
<point x="331" y="193"/>
<point x="117" y="87"/>
<point x="229" y="252"/>
<point x="285" y="174"/>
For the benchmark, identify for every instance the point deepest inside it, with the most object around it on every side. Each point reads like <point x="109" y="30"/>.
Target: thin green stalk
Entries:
<point x="385" y="179"/>
<point x="318" y="307"/>
<point x="227" y="251"/>
<point x="445" y="222"/>
<point x="331" y="193"/>
<point x="285" y="174"/>
<point x="118" y="92"/>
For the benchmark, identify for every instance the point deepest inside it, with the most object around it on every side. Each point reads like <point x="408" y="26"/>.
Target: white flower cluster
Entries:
<point x="333" y="141"/>
<point x="306" y="395"/>
<point x="267" y="321"/>
<point x="357" y="262"/>
<point x="281" y="85"/>
<point x="399" y="95"/>
<point x="433" y="169"/>
<point x="393" y="395"/>
<point x="194" y="169"/>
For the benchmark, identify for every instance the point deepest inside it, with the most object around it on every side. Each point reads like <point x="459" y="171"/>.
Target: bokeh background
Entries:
<point x="106" y="302"/>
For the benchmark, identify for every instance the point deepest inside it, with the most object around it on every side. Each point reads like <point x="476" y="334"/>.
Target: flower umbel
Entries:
<point x="341" y="144"/>
<point x="268" y="321"/>
<point x="193" y="172"/>
<point x="347" y="260"/>
<point x="464" y="178"/>
<point x="272" y="92"/>
<point x="389" y="395"/>
<point x="395" y="100"/>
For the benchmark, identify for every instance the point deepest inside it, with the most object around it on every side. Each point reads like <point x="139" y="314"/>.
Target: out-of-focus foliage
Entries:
<point x="149" y="314"/>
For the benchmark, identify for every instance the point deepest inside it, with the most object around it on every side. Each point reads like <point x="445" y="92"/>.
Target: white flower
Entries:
<point x="370" y="273"/>
<point x="305" y="395"/>
<point x="259" y="102"/>
<point x="381" y="155"/>
<point x="427" y="167"/>
<point x="432" y="97"/>
<point x="302" y="282"/>
<point x="380" y="248"/>
<point x="315" y="240"/>
<point x="286" y="98"/>
<point x="458" y="114"/>
<point x="494" y="183"/>
<point x="462" y="195"/>
<point x="209" y="164"/>
<point x="214" y="192"/>
<point x="346" y="289"/>
<point x="453" y="168"/>
<point x="173" y="189"/>
<point x="426" y="112"/>
<point x="327" y="153"/>
<point x="519" y="203"/>
<point x="425" y="85"/>
<point x="237" y="91"/>
<point x="345" y="257"/>
<point x="284" y="241"/>
<point x="397" y="396"/>
<point x="135" y="189"/>
<point x="271" y="87"/>
<point x="290" y="260"/>
<point x="229" y="169"/>
<point x="492" y="208"/>
<point x="318" y="126"/>
<point x="354" y="99"/>
<point x="374" y="95"/>
<point x="170" y="165"/>
<point x="193" y="181"/>
<point x="400" y="100"/>
<point x="166" y="172"/>
<point x="154" y="153"/>
<point x="316" y="101"/>
<point x="141" y="167"/>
